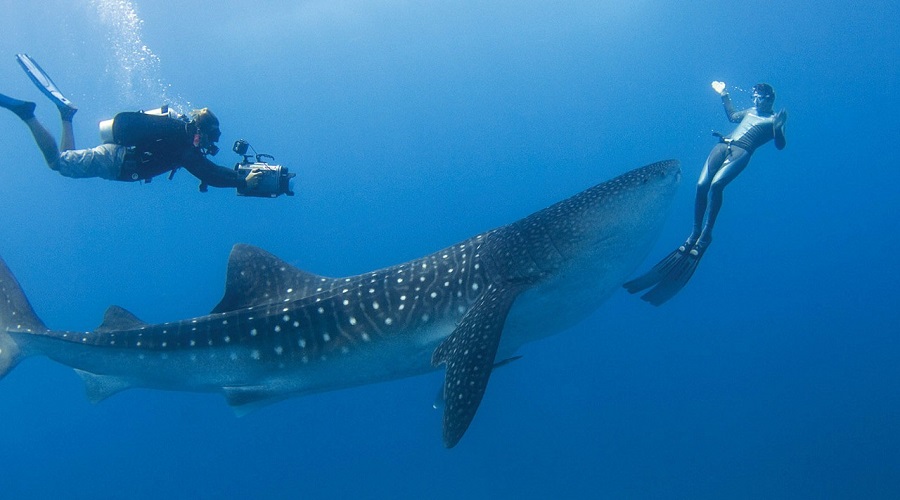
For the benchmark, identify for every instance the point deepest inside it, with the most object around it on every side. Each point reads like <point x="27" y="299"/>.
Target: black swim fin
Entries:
<point x="46" y="85"/>
<point x="657" y="273"/>
<point x="677" y="277"/>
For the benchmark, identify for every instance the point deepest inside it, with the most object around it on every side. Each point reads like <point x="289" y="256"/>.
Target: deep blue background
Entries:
<point x="413" y="125"/>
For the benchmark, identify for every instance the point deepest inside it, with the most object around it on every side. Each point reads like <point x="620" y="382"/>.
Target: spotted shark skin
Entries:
<point x="280" y="332"/>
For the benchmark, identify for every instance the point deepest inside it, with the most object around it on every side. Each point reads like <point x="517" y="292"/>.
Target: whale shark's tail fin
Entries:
<point x="16" y="315"/>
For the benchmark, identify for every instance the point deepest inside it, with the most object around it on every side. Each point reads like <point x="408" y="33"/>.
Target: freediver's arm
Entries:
<point x="733" y="116"/>
<point x="778" y="126"/>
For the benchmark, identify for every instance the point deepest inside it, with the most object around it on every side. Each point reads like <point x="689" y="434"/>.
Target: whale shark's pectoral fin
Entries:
<point x="439" y="397"/>
<point x="246" y="399"/>
<point x="100" y="387"/>
<point x="469" y="355"/>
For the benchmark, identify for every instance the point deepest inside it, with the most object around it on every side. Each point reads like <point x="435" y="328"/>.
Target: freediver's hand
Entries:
<point x="780" y="118"/>
<point x="253" y="178"/>
<point x="719" y="87"/>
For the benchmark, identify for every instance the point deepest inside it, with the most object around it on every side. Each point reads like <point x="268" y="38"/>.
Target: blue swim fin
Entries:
<point x="46" y="85"/>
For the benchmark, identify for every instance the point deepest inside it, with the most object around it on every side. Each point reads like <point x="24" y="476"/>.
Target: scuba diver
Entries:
<point x="757" y="125"/>
<point x="137" y="145"/>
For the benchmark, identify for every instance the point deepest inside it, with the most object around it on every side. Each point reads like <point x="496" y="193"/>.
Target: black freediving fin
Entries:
<point x="657" y="273"/>
<point x="469" y="355"/>
<point x="677" y="277"/>
<point x="45" y="84"/>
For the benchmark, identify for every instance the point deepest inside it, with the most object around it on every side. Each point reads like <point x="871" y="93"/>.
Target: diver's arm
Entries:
<point x="733" y="116"/>
<point x="211" y="174"/>
<point x="778" y="126"/>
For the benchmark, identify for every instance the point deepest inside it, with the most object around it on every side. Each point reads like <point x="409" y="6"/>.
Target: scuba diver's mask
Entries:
<point x="207" y="131"/>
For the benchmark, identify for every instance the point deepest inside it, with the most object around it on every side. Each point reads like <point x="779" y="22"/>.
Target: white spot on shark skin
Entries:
<point x="326" y="337"/>
<point x="227" y="339"/>
<point x="224" y="321"/>
<point x="138" y="343"/>
<point x="346" y="302"/>
<point x="388" y="321"/>
<point x="433" y="295"/>
<point x="254" y="354"/>
<point x="286" y="318"/>
<point x="279" y="350"/>
<point x="193" y="343"/>
<point x="365" y="337"/>
<point x="290" y="290"/>
<point x="164" y="344"/>
<point x="233" y="356"/>
<point x="296" y="324"/>
<point x="371" y="290"/>
<point x="375" y="305"/>
<point x="402" y="307"/>
<point x="425" y="317"/>
<point x="399" y="280"/>
<point x="301" y="343"/>
<point x="277" y="328"/>
<point x="321" y="310"/>
<point x="352" y="320"/>
<point x="475" y="286"/>
<point x="403" y="297"/>
<point x="253" y="332"/>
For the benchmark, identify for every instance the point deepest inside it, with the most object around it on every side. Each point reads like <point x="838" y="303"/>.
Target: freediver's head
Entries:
<point x="763" y="96"/>
<point x="205" y="127"/>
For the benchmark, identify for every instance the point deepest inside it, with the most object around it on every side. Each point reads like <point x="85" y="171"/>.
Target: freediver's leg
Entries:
<point x="717" y="157"/>
<point x="729" y="171"/>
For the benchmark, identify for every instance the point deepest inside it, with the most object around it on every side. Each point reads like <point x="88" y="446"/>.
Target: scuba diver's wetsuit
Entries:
<point x="158" y="144"/>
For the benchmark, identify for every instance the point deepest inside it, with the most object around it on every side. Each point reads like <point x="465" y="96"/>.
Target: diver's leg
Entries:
<point x="68" y="135"/>
<point x="22" y="109"/>
<point x="732" y="168"/>
<point x="45" y="141"/>
<point x="714" y="162"/>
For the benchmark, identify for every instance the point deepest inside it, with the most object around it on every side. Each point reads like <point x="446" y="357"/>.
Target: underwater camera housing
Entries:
<point x="275" y="179"/>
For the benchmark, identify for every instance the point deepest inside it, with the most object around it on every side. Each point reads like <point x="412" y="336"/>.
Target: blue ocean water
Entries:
<point x="413" y="125"/>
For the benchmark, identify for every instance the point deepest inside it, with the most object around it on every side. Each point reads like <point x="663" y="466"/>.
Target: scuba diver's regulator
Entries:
<point x="275" y="179"/>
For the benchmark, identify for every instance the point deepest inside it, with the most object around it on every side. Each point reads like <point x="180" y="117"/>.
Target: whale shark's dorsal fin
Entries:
<point x="256" y="277"/>
<point x="117" y="318"/>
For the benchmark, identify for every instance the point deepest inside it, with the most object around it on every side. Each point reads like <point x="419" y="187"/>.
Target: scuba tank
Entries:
<point x="117" y="130"/>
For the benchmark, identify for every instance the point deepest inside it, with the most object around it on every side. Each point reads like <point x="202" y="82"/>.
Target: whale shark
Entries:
<point x="281" y="332"/>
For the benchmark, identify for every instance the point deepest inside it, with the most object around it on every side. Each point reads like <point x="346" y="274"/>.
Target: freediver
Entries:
<point x="757" y="125"/>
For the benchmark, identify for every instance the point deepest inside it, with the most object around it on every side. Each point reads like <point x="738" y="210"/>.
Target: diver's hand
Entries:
<point x="253" y="178"/>
<point x="719" y="87"/>
<point x="780" y="118"/>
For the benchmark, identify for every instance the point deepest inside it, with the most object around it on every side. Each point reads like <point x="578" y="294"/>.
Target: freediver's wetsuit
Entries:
<point x="729" y="158"/>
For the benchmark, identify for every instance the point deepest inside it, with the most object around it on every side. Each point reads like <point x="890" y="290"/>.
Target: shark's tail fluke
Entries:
<point x="16" y="316"/>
